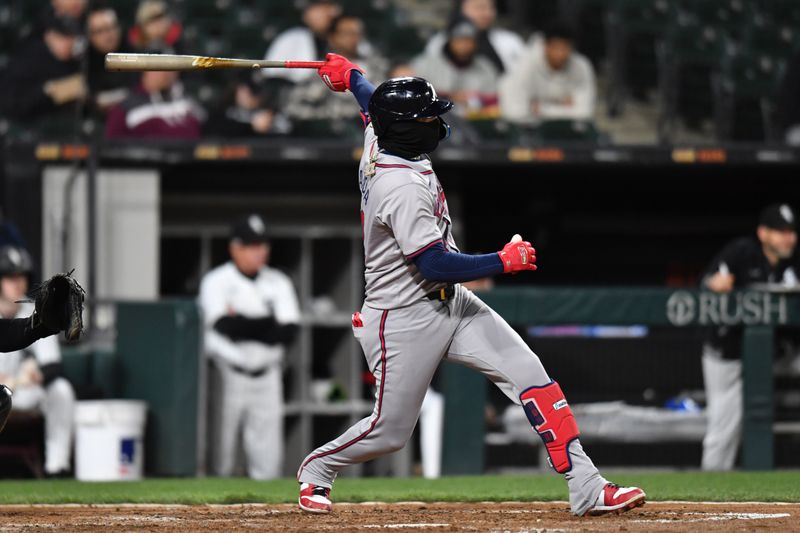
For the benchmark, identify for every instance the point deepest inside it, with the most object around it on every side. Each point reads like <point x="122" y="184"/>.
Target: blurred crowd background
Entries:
<point x="630" y="140"/>
<point x="599" y="71"/>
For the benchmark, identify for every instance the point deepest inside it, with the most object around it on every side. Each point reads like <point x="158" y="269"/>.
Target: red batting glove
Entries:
<point x="336" y="72"/>
<point x="517" y="255"/>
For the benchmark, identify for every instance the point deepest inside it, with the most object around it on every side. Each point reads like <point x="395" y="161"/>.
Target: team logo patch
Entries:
<point x="786" y="213"/>
<point x="560" y="404"/>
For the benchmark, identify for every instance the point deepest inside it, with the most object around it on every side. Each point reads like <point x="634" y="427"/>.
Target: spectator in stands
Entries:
<point x="766" y="257"/>
<point x="789" y="102"/>
<point x="74" y="9"/>
<point x="156" y="30"/>
<point x="550" y="82"/>
<point x="346" y="37"/>
<point x="35" y="374"/>
<point x="43" y="79"/>
<point x="308" y="42"/>
<point x="105" y="36"/>
<point x="457" y="70"/>
<point x="64" y="9"/>
<point x="311" y="100"/>
<point x="251" y="314"/>
<point x="502" y="47"/>
<point x="243" y="112"/>
<point x="157" y="109"/>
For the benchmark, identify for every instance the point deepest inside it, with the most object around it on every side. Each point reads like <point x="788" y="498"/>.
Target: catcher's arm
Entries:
<point x="19" y="333"/>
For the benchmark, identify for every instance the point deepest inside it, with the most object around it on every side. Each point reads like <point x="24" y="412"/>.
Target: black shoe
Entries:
<point x="61" y="474"/>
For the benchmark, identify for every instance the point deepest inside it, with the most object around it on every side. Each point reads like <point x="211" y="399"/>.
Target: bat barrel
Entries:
<point x="142" y="62"/>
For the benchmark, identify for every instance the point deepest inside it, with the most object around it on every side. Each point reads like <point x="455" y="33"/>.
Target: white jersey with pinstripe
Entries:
<point x="403" y="213"/>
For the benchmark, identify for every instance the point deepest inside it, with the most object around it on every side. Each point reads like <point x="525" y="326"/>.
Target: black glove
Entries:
<point x="59" y="306"/>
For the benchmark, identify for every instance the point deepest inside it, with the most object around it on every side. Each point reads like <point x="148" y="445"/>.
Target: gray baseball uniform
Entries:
<point x="405" y="335"/>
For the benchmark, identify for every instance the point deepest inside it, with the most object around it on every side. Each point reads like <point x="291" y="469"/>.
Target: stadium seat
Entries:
<point x="787" y="11"/>
<point x="633" y="28"/>
<point x="568" y="130"/>
<point x="745" y="80"/>
<point x="206" y="37"/>
<point x="326" y="129"/>
<point x="246" y="41"/>
<point x="730" y="16"/>
<point x="776" y="37"/>
<point x="208" y="9"/>
<point x="687" y="56"/>
<point x="589" y="17"/>
<point x="495" y="130"/>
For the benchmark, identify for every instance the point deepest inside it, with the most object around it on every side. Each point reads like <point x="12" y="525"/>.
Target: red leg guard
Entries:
<point x="552" y="419"/>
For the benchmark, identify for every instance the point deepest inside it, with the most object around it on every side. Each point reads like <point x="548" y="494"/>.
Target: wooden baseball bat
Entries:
<point x="140" y="62"/>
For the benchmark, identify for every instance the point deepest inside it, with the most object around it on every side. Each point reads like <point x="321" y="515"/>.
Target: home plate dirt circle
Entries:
<point x="511" y="517"/>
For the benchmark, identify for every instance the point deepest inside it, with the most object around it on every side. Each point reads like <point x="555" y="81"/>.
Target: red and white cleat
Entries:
<point x="616" y="499"/>
<point x="314" y="499"/>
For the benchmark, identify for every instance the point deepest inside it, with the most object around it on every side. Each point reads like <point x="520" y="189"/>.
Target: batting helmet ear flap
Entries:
<point x="444" y="129"/>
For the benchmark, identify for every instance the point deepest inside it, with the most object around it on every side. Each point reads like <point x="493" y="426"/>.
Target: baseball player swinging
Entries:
<point x="416" y="313"/>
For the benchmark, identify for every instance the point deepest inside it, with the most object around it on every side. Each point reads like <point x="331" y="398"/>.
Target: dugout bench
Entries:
<point x="758" y="311"/>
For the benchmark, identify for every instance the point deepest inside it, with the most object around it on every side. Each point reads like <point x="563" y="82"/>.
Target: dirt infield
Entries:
<point x="439" y="517"/>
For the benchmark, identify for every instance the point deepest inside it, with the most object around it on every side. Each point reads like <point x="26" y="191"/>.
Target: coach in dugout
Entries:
<point x="250" y="312"/>
<point x="35" y="374"/>
<point x="766" y="257"/>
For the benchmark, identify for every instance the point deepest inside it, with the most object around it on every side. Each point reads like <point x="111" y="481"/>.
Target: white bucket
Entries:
<point x="108" y="440"/>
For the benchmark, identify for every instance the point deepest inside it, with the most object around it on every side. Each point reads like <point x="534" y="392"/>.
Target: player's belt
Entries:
<point x="250" y="373"/>
<point x="443" y="294"/>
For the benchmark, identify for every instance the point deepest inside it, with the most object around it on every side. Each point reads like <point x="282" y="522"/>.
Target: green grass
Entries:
<point x="697" y="486"/>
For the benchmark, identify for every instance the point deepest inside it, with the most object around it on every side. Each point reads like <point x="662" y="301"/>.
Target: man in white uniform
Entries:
<point x="250" y="315"/>
<point x="34" y="373"/>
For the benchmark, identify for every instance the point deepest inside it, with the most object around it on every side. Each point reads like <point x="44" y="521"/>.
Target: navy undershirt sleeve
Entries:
<point x="437" y="264"/>
<point x="362" y="89"/>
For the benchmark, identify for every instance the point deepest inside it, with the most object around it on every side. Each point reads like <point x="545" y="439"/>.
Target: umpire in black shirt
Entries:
<point x="767" y="257"/>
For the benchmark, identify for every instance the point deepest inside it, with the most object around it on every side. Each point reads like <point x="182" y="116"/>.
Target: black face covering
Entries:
<point x="411" y="138"/>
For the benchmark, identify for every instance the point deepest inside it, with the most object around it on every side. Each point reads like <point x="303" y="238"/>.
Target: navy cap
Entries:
<point x="778" y="216"/>
<point x="250" y="229"/>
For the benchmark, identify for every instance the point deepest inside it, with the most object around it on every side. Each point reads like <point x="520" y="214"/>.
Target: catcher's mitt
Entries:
<point x="59" y="305"/>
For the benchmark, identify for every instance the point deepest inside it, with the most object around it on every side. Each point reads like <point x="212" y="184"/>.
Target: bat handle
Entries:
<point x="303" y="64"/>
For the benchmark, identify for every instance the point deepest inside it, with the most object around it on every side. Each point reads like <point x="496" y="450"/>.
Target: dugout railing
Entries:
<point x="758" y="312"/>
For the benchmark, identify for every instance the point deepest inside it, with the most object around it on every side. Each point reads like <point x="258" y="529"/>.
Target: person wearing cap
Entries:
<point x="35" y="373"/>
<point x="457" y="71"/>
<point x="502" y="47"/>
<point x="250" y="314"/>
<point x="307" y="42"/>
<point x="551" y="81"/>
<point x="155" y="30"/>
<point x="43" y="82"/>
<point x="766" y="257"/>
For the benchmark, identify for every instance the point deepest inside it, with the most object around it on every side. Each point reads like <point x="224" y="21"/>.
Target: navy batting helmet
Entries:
<point x="400" y="99"/>
<point x="15" y="260"/>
